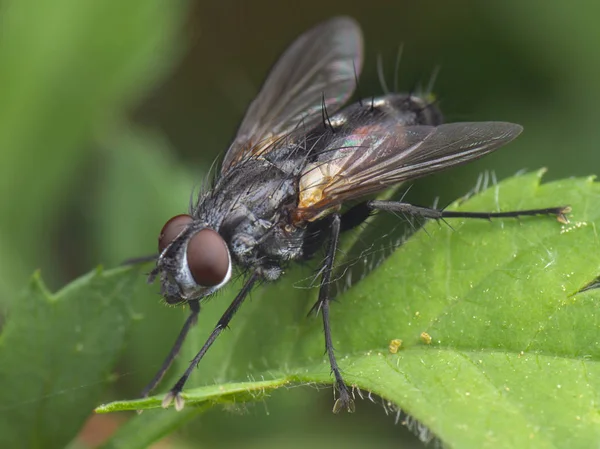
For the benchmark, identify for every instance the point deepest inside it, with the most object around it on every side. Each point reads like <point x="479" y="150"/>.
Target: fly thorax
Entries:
<point x="242" y="245"/>
<point x="245" y="238"/>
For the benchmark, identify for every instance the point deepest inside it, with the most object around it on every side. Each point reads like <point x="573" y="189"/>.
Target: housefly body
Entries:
<point x="297" y="159"/>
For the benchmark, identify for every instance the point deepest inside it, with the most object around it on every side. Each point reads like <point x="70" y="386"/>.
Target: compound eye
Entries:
<point x="172" y="229"/>
<point x="208" y="258"/>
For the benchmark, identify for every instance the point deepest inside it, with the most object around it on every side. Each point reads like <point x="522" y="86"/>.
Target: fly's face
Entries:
<point x="194" y="260"/>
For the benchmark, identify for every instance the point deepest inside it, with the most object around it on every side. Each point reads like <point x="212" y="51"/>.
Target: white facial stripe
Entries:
<point x="229" y="271"/>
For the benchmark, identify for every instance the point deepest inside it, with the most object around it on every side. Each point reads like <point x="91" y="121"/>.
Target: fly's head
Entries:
<point x="194" y="260"/>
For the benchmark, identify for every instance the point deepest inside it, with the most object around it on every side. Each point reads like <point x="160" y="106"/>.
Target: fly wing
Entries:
<point x="318" y="70"/>
<point x="369" y="159"/>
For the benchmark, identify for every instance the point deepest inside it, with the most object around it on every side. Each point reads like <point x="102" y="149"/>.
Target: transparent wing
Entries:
<point x="319" y="69"/>
<point x="369" y="159"/>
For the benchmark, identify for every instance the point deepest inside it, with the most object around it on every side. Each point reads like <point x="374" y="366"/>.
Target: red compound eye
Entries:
<point x="208" y="258"/>
<point x="172" y="229"/>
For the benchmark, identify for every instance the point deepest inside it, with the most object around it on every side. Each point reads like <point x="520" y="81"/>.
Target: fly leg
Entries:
<point x="355" y="216"/>
<point x="175" y="392"/>
<point x="436" y="214"/>
<point x="189" y="323"/>
<point x="344" y="401"/>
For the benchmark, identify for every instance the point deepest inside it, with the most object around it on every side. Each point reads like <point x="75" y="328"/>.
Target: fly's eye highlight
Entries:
<point x="172" y="229"/>
<point x="208" y="258"/>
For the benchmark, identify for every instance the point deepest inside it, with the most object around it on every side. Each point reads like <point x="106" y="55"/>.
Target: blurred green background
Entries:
<point x="111" y="113"/>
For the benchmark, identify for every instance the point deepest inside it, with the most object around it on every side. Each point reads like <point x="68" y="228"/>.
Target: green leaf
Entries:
<point x="152" y="425"/>
<point x="240" y="391"/>
<point x="57" y="352"/>
<point x="514" y="356"/>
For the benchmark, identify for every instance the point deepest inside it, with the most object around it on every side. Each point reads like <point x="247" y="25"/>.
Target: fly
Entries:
<point x="297" y="159"/>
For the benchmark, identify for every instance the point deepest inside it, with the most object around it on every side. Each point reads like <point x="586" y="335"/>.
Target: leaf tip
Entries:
<point x="103" y="408"/>
<point x="37" y="283"/>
